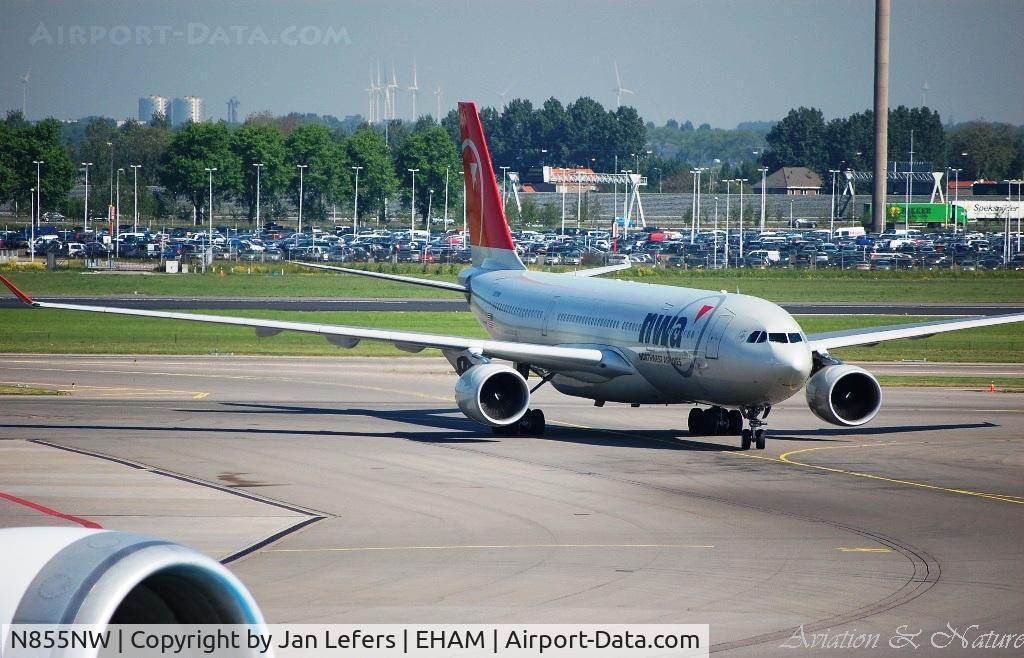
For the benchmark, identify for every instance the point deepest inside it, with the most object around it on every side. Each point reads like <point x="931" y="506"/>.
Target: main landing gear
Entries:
<point x="531" y="424"/>
<point x="717" y="421"/>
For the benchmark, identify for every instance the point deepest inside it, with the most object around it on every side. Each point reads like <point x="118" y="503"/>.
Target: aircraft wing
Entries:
<point x="429" y="283"/>
<point x="824" y="342"/>
<point x="597" y="360"/>
<point x="598" y="271"/>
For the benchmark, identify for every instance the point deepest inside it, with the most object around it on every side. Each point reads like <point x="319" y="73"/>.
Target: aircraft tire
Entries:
<point x="537" y="422"/>
<point x="745" y="440"/>
<point x="735" y="422"/>
<point x="695" y="421"/>
<point x="759" y="439"/>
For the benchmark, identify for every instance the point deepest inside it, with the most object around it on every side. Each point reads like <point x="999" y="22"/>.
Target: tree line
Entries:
<point x="174" y="162"/>
<point x="982" y="149"/>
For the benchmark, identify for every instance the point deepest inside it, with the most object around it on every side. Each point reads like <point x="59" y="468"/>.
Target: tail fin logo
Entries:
<point x="488" y="227"/>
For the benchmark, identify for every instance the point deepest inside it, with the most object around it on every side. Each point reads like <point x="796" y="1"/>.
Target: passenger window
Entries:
<point x="796" y="338"/>
<point x="777" y="338"/>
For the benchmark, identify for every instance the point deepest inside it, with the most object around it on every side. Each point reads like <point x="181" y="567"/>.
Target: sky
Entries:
<point x="714" y="61"/>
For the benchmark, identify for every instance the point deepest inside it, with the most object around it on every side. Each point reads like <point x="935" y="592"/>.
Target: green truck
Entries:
<point x="920" y="213"/>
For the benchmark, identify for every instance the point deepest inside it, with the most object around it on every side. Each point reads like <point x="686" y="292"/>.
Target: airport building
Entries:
<point x="795" y="181"/>
<point x="150" y="106"/>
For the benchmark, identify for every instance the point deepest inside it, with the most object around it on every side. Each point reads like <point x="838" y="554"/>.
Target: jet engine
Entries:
<point x="844" y="395"/>
<point x="82" y="576"/>
<point x="492" y="394"/>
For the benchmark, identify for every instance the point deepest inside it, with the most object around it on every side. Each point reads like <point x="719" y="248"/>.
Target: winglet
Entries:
<point x="19" y="294"/>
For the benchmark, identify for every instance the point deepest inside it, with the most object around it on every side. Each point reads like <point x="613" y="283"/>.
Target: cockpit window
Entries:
<point x="777" y="338"/>
<point x="796" y="338"/>
<point x="757" y="337"/>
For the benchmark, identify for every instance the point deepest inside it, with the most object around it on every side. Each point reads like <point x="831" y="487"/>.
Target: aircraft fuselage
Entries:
<point x="686" y="345"/>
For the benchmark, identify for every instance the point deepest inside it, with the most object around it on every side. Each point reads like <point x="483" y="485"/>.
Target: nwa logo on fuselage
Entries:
<point x="667" y="330"/>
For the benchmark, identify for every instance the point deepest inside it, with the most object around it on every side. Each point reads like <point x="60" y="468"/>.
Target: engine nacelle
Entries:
<point x="82" y="576"/>
<point x="492" y="394"/>
<point x="844" y="395"/>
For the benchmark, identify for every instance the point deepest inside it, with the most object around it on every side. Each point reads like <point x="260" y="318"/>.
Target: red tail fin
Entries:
<point x="488" y="228"/>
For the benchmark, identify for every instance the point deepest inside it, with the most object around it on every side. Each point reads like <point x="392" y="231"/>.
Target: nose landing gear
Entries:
<point x="756" y="434"/>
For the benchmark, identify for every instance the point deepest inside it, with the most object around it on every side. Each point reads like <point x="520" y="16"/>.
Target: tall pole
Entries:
<point x="117" y="215"/>
<point x="764" y="190"/>
<point x="881" y="115"/>
<point x="700" y="170"/>
<point x="446" y="173"/>
<point x="504" y="177"/>
<point x="956" y="197"/>
<point x="728" y="203"/>
<point x="37" y="216"/>
<point x="910" y="180"/>
<point x="412" y="206"/>
<point x="716" y="234"/>
<point x="135" y="196"/>
<point x="111" y="145"/>
<point x="563" y="210"/>
<point x="355" y="205"/>
<point x="86" y="218"/>
<point x="742" y="181"/>
<point x="259" y="167"/>
<point x="32" y="223"/>
<point x="302" y="169"/>
<point x="579" y="198"/>
<point x="209" y="212"/>
<point x="693" y="208"/>
<point x="832" y="212"/>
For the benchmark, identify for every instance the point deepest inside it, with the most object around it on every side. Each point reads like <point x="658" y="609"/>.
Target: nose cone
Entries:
<point x="792" y="366"/>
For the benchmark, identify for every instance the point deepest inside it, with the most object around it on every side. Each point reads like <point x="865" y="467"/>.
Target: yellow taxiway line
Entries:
<point x="786" y="458"/>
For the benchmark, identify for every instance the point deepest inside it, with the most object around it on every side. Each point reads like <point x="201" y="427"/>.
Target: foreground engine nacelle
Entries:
<point x="844" y="395"/>
<point x="80" y="576"/>
<point x="492" y="394"/>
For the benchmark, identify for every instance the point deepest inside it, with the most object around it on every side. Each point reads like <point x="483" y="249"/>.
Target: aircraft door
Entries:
<point x="549" y="314"/>
<point x="714" y="340"/>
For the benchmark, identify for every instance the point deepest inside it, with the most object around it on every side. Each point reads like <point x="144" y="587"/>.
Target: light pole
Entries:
<point x="741" y="181"/>
<point x="504" y="176"/>
<point x="209" y="212"/>
<point x="135" y="195"/>
<point x="700" y="171"/>
<point x="910" y="177"/>
<point x="832" y="214"/>
<point x="728" y="204"/>
<point x="111" y="145"/>
<point x="693" y="207"/>
<point x="355" y="204"/>
<point x="446" y="173"/>
<point x="302" y="170"/>
<point x="764" y="189"/>
<point x="259" y="167"/>
<point x="86" y="219"/>
<point x="430" y="206"/>
<point x="37" y="216"/>
<point x="956" y="196"/>
<point x="117" y="215"/>
<point x="715" y="257"/>
<point x="579" y="197"/>
<point x="32" y="223"/>
<point x="412" y="205"/>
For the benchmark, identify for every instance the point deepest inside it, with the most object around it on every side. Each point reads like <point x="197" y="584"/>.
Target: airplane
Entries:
<point x="732" y="356"/>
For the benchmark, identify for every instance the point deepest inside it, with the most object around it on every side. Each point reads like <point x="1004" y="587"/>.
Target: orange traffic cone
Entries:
<point x="992" y="387"/>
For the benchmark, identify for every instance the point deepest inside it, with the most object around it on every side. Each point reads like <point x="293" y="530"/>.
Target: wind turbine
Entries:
<point x="392" y="95"/>
<point x="438" y="93"/>
<point x="924" y="94"/>
<point x="502" y="94"/>
<point x="372" y="89"/>
<point x="619" y="89"/>
<point x="414" y="88"/>
<point x="24" y="93"/>
<point x="377" y="88"/>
